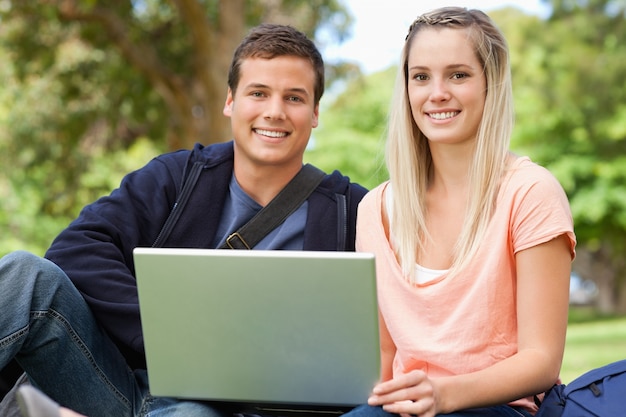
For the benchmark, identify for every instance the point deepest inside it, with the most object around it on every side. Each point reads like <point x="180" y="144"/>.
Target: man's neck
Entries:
<point x="262" y="184"/>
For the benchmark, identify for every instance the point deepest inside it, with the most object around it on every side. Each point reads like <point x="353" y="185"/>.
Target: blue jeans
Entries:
<point x="46" y="325"/>
<point x="497" y="411"/>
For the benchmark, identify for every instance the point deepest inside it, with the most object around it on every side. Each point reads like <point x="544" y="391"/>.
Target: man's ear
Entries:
<point x="228" y="105"/>
<point x="316" y="116"/>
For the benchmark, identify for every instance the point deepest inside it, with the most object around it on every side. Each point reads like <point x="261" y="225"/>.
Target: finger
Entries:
<point x="403" y="381"/>
<point x="404" y="394"/>
<point x="400" y="396"/>
<point x="401" y="408"/>
<point x="407" y="408"/>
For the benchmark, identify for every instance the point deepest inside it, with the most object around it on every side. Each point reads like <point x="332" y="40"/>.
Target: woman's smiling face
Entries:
<point x="446" y="85"/>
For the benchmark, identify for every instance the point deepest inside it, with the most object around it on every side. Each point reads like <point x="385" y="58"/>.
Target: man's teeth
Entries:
<point x="445" y="115"/>
<point x="271" y="133"/>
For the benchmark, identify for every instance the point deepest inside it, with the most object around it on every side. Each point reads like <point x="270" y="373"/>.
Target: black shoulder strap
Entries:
<point x="276" y="211"/>
<point x="180" y="203"/>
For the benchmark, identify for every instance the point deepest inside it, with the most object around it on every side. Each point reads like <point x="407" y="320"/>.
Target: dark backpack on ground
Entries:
<point x="598" y="393"/>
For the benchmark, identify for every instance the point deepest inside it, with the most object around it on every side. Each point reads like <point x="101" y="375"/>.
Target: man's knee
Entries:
<point x="21" y="264"/>
<point x="20" y="257"/>
<point x="22" y="271"/>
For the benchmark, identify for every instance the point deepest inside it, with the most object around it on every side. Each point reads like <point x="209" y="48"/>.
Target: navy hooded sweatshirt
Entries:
<point x="95" y="250"/>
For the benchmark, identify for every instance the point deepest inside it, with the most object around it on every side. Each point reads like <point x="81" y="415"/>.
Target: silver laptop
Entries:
<point x="259" y="327"/>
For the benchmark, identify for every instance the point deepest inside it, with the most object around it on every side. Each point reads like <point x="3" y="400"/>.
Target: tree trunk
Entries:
<point x="203" y="121"/>
<point x="199" y="120"/>
<point x="607" y="271"/>
<point x="194" y="104"/>
<point x="619" y="268"/>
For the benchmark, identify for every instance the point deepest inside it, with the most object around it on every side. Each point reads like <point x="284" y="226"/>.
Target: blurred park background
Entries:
<point x="92" y="89"/>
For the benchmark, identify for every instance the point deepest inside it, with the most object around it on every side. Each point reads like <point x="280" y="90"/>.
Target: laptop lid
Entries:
<point x="262" y="327"/>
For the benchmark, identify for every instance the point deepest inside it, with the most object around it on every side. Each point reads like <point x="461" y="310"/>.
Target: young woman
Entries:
<point x="473" y="244"/>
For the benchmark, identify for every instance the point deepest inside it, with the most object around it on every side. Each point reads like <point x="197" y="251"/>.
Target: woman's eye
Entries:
<point x="420" y="77"/>
<point x="459" y="75"/>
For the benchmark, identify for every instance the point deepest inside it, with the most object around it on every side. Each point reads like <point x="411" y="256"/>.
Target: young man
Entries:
<point x="72" y="320"/>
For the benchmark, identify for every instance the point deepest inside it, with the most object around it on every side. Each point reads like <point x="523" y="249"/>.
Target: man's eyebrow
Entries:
<point x="255" y="85"/>
<point x="295" y="90"/>
<point x="299" y="90"/>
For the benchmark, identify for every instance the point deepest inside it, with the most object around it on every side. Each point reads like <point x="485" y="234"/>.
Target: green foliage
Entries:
<point x="88" y="84"/>
<point x="28" y="226"/>
<point x="351" y="133"/>
<point x="45" y="142"/>
<point x="38" y="135"/>
<point x="138" y="68"/>
<point x="570" y="94"/>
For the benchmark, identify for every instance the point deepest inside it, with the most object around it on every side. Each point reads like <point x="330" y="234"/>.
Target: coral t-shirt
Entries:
<point x="467" y="323"/>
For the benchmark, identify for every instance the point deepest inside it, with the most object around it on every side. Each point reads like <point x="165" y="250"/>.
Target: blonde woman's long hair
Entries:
<point x="408" y="156"/>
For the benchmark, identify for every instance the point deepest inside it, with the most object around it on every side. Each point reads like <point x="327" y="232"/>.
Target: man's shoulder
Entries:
<point x="210" y="155"/>
<point x="338" y="183"/>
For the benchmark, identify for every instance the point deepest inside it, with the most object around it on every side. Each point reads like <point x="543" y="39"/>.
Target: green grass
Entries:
<point x="592" y="341"/>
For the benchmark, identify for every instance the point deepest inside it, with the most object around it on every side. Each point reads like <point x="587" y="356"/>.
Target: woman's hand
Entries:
<point x="411" y="394"/>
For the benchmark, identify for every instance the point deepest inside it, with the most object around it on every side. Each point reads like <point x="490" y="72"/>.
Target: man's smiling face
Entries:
<point x="273" y="110"/>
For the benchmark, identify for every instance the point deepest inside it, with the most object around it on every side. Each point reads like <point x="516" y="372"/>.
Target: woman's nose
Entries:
<point x="440" y="91"/>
